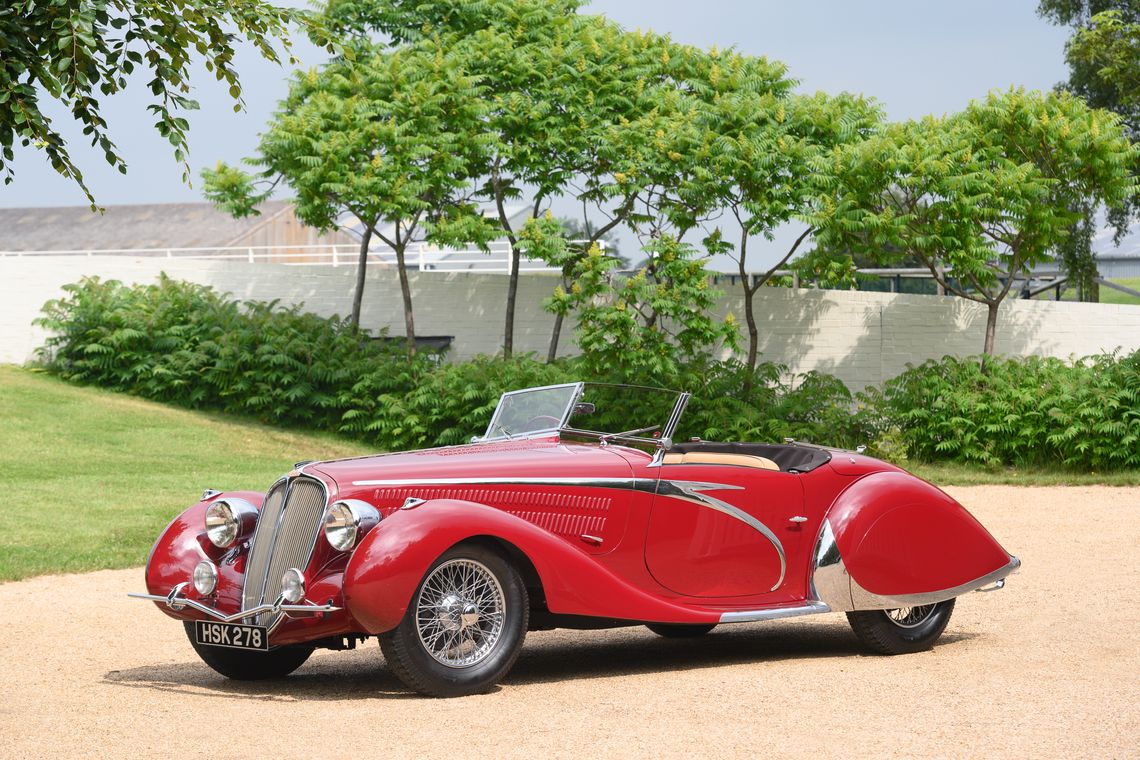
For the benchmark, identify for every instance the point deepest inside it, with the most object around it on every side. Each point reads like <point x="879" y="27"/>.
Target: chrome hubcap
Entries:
<point x="459" y="613"/>
<point x="910" y="617"/>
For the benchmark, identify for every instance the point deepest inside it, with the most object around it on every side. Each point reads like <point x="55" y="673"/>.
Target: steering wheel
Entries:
<point x="529" y="425"/>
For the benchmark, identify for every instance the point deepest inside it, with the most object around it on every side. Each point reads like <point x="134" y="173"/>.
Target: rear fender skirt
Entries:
<point x="384" y="571"/>
<point x="892" y="540"/>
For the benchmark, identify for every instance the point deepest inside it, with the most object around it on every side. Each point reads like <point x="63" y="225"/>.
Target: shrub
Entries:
<point x="1029" y="411"/>
<point x="187" y="344"/>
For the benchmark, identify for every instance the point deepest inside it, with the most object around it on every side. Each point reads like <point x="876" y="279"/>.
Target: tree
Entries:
<point x="387" y="136"/>
<point x="1104" y="68"/>
<point x="1103" y="53"/>
<point x="75" y="51"/>
<point x="761" y="138"/>
<point x="981" y="196"/>
<point x="648" y="326"/>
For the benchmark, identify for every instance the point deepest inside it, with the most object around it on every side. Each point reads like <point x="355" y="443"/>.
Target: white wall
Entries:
<point x="862" y="337"/>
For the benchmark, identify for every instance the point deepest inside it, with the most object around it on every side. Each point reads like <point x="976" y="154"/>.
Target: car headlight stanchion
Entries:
<point x="347" y="521"/>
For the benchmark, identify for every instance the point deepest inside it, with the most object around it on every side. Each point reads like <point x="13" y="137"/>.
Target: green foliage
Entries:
<point x="188" y="345"/>
<point x="644" y="328"/>
<point x="1030" y="411"/>
<point x="981" y="196"/>
<point x="75" y="51"/>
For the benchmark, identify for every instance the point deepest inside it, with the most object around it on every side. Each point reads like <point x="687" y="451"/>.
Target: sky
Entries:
<point x="916" y="57"/>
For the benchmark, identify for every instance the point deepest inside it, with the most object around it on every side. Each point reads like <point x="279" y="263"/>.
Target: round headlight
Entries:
<point x="205" y="577"/>
<point x="221" y="524"/>
<point x="346" y="521"/>
<point x="293" y="585"/>
<point x="229" y="519"/>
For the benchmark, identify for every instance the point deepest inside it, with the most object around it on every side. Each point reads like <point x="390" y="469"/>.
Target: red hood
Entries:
<point x="532" y="458"/>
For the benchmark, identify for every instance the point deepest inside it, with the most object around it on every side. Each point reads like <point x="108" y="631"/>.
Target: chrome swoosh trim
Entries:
<point x="688" y="491"/>
<point x="685" y="490"/>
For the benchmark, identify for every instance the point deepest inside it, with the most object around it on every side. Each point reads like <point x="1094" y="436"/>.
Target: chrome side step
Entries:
<point x="774" y="613"/>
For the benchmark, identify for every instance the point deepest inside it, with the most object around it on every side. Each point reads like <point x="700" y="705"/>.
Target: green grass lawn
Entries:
<point x="1107" y="295"/>
<point x="955" y="474"/>
<point x="90" y="477"/>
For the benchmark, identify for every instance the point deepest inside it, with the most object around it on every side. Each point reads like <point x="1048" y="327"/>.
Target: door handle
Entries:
<point x="797" y="519"/>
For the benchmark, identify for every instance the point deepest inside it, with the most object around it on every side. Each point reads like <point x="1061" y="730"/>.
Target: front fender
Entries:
<point x="893" y="540"/>
<point x="389" y="564"/>
<point x="183" y="545"/>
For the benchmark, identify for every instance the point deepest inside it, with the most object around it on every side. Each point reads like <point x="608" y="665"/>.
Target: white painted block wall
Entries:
<point x="861" y="337"/>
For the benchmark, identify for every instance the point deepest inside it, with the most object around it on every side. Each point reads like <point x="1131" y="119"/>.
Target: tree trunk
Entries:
<point x="991" y="329"/>
<point x="753" y="331"/>
<point x="361" y="269"/>
<point x="406" y="291"/>
<point x="556" y="333"/>
<point x="512" y="292"/>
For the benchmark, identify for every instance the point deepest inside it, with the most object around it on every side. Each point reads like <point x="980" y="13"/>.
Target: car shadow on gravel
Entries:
<point x="547" y="657"/>
<point x="725" y="646"/>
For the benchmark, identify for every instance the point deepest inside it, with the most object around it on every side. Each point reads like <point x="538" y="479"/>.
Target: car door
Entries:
<point x="725" y="531"/>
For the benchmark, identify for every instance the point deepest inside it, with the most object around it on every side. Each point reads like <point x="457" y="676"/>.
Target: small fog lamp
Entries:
<point x="205" y="577"/>
<point x="293" y="586"/>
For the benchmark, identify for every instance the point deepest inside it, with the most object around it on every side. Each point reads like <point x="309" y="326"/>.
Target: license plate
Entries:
<point x="232" y="635"/>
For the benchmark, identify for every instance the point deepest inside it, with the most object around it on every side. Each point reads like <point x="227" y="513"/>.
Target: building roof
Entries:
<point x="149" y="225"/>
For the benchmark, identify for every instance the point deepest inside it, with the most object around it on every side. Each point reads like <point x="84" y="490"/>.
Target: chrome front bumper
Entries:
<point x="175" y="601"/>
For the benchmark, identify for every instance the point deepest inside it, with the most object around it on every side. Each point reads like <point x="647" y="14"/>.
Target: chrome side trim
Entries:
<point x="751" y="616"/>
<point x="865" y="600"/>
<point x="830" y="583"/>
<point x="685" y="490"/>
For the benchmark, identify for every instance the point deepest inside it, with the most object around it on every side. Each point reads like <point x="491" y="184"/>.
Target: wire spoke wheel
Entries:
<point x="460" y="613"/>
<point x="910" y="617"/>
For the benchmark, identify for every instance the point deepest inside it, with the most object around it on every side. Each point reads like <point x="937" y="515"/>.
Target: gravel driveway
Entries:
<point x="1048" y="667"/>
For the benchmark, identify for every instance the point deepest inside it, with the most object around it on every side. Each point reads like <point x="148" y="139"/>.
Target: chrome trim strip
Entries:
<point x="176" y="603"/>
<point x="751" y="616"/>
<point x="865" y="600"/>
<point x="685" y="490"/>
<point x="830" y="583"/>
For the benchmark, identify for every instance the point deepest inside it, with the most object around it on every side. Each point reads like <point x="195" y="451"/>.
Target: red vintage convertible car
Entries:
<point x="451" y="555"/>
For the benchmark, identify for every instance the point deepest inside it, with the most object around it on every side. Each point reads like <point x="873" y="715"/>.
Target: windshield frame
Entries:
<point x="665" y="431"/>
<point x="501" y="406"/>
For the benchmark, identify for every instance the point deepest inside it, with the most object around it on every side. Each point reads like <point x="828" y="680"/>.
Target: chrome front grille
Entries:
<point x="284" y="538"/>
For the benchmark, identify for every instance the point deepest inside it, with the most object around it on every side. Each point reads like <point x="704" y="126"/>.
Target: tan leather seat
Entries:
<point x="709" y="457"/>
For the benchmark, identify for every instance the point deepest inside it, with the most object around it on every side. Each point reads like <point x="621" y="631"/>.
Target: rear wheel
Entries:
<point x="680" y="630"/>
<point x="901" y="631"/>
<point x="242" y="665"/>
<point x="465" y="626"/>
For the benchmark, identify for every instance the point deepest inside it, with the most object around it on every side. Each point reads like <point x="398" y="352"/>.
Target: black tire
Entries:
<point x="407" y="653"/>
<point x="680" y="630"/>
<point x="242" y="665"/>
<point x="881" y="632"/>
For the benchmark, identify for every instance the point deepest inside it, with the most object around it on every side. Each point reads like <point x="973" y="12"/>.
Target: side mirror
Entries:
<point x="582" y="407"/>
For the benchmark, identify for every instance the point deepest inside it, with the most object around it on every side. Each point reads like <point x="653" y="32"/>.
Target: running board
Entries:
<point x="774" y="613"/>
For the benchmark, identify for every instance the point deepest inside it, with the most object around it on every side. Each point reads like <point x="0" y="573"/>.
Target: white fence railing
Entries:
<point x="418" y="256"/>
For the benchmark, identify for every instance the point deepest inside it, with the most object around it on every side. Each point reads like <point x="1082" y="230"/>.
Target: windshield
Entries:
<point x="595" y="409"/>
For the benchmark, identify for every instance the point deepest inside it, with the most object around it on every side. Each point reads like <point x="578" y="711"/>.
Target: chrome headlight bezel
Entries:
<point x="347" y="521"/>
<point x="228" y="520"/>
